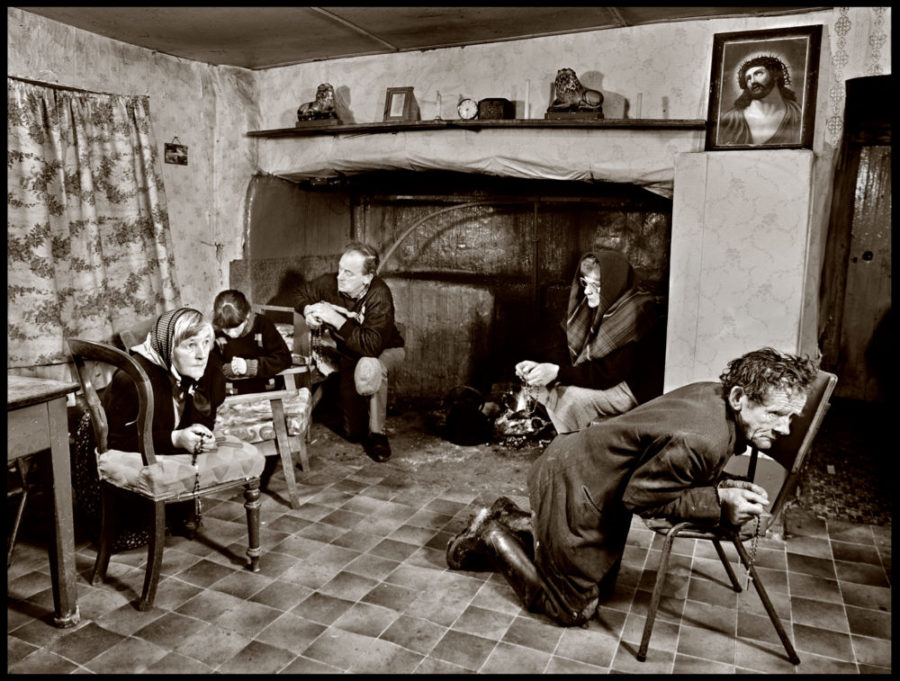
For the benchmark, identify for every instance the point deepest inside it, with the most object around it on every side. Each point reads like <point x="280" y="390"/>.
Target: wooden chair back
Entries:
<point x="84" y="351"/>
<point x="287" y="315"/>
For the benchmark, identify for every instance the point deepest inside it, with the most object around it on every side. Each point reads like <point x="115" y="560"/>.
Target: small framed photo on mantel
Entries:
<point x="400" y="104"/>
<point x="763" y="89"/>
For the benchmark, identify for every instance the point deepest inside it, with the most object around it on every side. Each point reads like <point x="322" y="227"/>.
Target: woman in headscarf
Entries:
<point x="187" y="381"/>
<point x="188" y="386"/>
<point x="614" y="344"/>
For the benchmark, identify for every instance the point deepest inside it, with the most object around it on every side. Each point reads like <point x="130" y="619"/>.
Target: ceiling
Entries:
<point x="264" y="37"/>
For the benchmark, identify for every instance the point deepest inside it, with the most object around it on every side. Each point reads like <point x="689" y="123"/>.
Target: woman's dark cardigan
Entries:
<point x="120" y="400"/>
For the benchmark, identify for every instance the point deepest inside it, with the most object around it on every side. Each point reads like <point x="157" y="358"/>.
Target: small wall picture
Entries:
<point x="763" y="89"/>
<point x="400" y="104"/>
<point x="175" y="153"/>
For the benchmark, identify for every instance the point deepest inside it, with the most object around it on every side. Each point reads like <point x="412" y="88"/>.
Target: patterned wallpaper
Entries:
<point x="663" y="69"/>
<point x="860" y="46"/>
<point x="666" y="67"/>
<point x="738" y="258"/>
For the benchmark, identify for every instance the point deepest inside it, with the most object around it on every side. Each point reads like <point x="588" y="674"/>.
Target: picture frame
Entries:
<point x="400" y="104"/>
<point x="775" y="108"/>
<point x="175" y="153"/>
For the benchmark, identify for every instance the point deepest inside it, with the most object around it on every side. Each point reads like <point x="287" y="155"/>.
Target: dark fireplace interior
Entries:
<point x="480" y="266"/>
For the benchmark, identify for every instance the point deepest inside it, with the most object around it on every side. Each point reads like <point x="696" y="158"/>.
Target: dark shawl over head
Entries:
<point x="625" y="313"/>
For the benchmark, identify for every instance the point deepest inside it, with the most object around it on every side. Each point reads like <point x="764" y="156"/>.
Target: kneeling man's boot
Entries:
<point x="512" y="560"/>
<point x="468" y="550"/>
<point x="505" y="511"/>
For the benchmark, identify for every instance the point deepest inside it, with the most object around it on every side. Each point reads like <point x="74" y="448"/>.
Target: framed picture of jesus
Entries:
<point x="763" y="89"/>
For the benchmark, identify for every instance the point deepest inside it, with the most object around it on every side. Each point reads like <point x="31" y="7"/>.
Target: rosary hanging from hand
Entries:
<point x="198" y="507"/>
<point x="754" y="545"/>
<point x="323" y="347"/>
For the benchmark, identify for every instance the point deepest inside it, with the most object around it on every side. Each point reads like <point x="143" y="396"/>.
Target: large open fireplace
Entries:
<point x="480" y="266"/>
<point x="481" y="231"/>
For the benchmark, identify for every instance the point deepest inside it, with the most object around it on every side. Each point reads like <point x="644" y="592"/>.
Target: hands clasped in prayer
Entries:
<point x="196" y="438"/>
<point x="742" y="500"/>
<point x="324" y="312"/>
<point x="239" y="366"/>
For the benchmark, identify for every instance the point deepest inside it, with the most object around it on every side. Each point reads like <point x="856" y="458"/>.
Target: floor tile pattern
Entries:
<point x="356" y="581"/>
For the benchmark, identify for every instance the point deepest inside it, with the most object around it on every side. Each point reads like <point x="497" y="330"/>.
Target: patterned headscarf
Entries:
<point x="625" y="313"/>
<point x="159" y="347"/>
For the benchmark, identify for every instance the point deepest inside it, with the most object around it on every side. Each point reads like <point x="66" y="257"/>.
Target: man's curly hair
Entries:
<point x="766" y="369"/>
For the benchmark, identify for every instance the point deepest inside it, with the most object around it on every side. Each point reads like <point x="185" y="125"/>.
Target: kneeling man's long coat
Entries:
<point x="662" y="458"/>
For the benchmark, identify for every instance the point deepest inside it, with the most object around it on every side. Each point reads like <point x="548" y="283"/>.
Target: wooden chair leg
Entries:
<point x="303" y="438"/>
<point x="767" y="604"/>
<point x="252" y="504"/>
<point x="20" y="467"/>
<point x="657" y="595"/>
<point x="315" y="398"/>
<point x="154" y="556"/>
<point x="107" y="533"/>
<point x="735" y="584"/>
<point x="302" y="452"/>
<point x="284" y="451"/>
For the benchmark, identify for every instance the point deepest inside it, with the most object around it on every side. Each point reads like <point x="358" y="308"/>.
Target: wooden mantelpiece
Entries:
<point x="394" y="126"/>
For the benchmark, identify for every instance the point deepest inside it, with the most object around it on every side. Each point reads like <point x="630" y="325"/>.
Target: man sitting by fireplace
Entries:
<point x="355" y="343"/>
<point x="615" y="343"/>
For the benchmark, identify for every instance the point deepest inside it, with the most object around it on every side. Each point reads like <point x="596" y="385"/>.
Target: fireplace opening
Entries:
<point x="480" y="266"/>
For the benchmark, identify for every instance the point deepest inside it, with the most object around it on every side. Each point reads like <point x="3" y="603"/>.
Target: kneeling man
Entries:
<point x="662" y="458"/>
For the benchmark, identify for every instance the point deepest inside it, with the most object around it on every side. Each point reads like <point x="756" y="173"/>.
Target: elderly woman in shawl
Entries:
<point x="615" y="351"/>
<point x="188" y="386"/>
<point x="176" y="358"/>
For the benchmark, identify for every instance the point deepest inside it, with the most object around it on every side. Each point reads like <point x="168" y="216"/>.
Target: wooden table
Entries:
<point x="36" y="420"/>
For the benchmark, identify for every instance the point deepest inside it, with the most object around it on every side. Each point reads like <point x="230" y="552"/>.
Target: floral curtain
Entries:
<point x="88" y="243"/>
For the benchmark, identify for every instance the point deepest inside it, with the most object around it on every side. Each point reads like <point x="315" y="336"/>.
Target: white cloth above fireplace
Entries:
<point x="643" y="157"/>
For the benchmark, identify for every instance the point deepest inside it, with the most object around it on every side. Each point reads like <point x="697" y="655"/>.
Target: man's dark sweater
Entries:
<point x="366" y="336"/>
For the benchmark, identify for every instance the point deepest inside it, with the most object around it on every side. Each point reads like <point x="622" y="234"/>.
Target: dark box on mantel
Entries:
<point x="496" y="108"/>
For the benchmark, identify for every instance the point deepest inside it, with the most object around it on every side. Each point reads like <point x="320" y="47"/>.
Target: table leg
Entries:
<point x="62" y="551"/>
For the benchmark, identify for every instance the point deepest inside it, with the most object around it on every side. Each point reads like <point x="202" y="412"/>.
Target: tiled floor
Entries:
<point x="356" y="581"/>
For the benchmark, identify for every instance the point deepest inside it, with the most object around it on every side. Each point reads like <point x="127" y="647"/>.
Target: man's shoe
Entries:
<point x="377" y="447"/>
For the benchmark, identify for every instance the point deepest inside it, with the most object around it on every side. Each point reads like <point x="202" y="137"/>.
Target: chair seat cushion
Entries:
<point x="252" y="421"/>
<point x="173" y="475"/>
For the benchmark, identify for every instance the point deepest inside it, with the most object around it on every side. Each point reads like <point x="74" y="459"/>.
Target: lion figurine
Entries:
<point x="321" y="107"/>
<point x="571" y="95"/>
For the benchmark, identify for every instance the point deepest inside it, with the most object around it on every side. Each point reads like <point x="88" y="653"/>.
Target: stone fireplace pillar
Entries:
<point x="739" y="257"/>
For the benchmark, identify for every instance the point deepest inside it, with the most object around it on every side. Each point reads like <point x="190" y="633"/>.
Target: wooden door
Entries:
<point x="855" y="302"/>
<point x="867" y="298"/>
